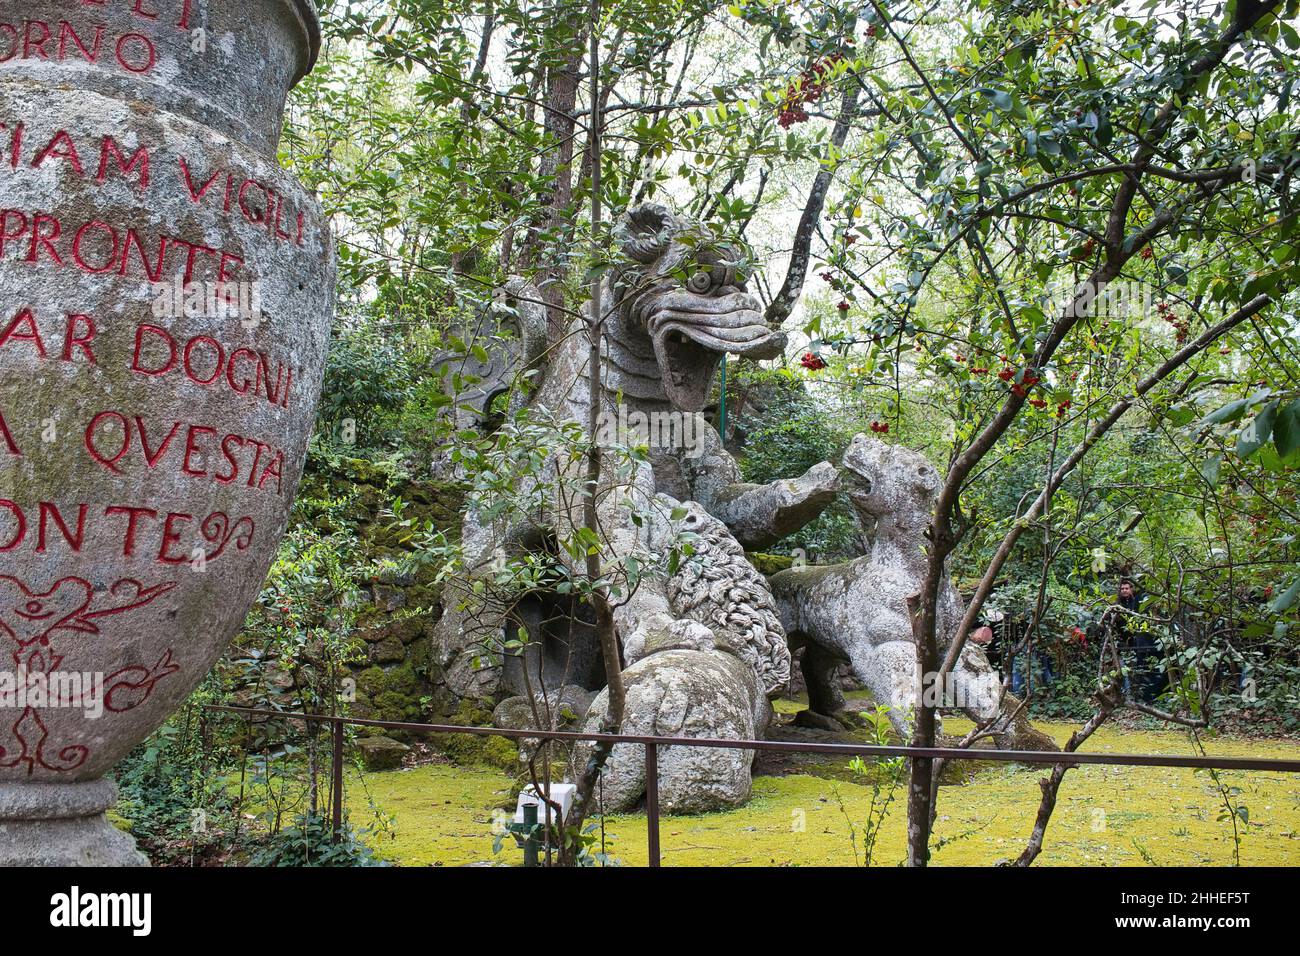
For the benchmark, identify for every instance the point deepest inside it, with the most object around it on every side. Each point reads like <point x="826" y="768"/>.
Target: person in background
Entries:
<point x="987" y="635"/>
<point x="1145" y="679"/>
<point x="1040" y="661"/>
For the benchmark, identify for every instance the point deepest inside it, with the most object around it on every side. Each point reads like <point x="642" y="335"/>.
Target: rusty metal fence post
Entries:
<point x="336" y="778"/>
<point x="652" y="800"/>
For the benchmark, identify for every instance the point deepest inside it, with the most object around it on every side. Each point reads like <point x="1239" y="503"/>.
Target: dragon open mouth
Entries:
<point x="690" y="331"/>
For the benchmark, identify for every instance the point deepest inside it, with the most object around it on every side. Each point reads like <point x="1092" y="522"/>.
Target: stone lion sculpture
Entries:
<point x="856" y="612"/>
<point x="703" y="647"/>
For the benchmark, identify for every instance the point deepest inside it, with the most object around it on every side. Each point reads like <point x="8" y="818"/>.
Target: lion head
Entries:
<point x="889" y="480"/>
<point x="685" y="291"/>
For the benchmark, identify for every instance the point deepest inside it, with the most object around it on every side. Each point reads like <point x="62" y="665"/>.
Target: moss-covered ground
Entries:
<point x="1107" y="816"/>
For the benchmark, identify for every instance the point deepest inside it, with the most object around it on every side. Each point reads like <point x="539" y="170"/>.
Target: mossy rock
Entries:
<point x="371" y="681"/>
<point x="396" y="706"/>
<point x="477" y="750"/>
<point x="418" y="655"/>
<point x="362" y="471"/>
<point x="381" y="753"/>
<point x="501" y="752"/>
<point x="388" y="651"/>
<point x="403" y="630"/>
<point x="470" y="713"/>
<point x="769" y="563"/>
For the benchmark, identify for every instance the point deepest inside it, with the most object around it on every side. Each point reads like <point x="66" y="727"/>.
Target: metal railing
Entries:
<point x="652" y="745"/>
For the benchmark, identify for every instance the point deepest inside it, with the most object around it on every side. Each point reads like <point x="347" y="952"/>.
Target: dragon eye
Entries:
<point x="700" y="282"/>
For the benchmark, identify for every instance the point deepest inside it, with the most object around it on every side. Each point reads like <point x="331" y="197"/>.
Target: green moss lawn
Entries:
<point x="1107" y="816"/>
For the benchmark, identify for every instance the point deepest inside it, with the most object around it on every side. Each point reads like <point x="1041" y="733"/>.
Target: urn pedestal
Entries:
<point x="166" y="291"/>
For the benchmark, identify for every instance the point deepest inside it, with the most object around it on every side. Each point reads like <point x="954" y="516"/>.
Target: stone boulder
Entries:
<point x="569" y="704"/>
<point x="689" y="693"/>
<point x="382" y="753"/>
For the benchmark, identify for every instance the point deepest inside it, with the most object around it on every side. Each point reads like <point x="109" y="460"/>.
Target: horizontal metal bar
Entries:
<point x="784" y="746"/>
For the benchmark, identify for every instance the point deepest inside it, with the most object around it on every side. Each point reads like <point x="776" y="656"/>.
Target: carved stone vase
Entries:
<point x="166" y="292"/>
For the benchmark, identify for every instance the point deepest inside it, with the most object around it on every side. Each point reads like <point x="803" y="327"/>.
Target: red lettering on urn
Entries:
<point x="26" y="320"/>
<point x="50" y="511"/>
<point x="35" y="36"/>
<point x="200" y="448"/>
<point x="133" y="516"/>
<point x="62" y="147"/>
<point x="11" y="231"/>
<point x="202" y="359"/>
<point x="113" y="420"/>
<point x="89" y="53"/>
<point x="109" y="148"/>
<point x="135" y="52"/>
<point x="86" y="231"/>
<point x="56" y="528"/>
<point x="23" y="333"/>
<point x="230" y="476"/>
<point x="257" y="202"/>
<point x="195" y="196"/>
<point x="15" y="143"/>
<point x="152" y="272"/>
<point x="192" y="447"/>
<point x="72" y="340"/>
<point x="147" y="329"/>
<point x="218" y="355"/>
<point x="10" y="31"/>
<point x="38" y="241"/>
<point x="153" y="456"/>
<point x="20" y="526"/>
<point x="7" y="437"/>
<point x="172" y="537"/>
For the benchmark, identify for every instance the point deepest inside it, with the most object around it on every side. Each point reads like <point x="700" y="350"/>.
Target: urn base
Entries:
<point x="62" y="824"/>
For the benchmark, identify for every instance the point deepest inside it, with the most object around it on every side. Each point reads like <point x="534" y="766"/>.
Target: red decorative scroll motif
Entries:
<point x="30" y="619"/>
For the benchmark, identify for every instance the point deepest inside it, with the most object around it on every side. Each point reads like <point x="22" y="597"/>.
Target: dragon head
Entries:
<point x="685" y="291"/>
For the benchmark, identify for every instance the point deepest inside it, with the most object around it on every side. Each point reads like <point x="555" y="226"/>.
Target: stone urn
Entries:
<point x="166" y="292"/>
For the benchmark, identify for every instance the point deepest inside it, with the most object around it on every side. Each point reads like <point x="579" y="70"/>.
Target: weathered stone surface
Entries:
<point x="62" y="824"/>
<point x="857" y="611"/>
<point x="688" y="693"/>
<point x="388" y="651"/>
<point x="683" y="303"/>
<point x="389" y="598"/>
<point x="149" y="450"/>
<point x="382" y="753"/>
<point x="566" y="707"/>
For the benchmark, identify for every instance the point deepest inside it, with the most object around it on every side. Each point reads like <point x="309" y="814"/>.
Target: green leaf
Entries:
<point x="1286" y="429"/>
<point x="1210" y="470"/>
<point x="1288" y="597"/>
<point x="1256" y="432"/>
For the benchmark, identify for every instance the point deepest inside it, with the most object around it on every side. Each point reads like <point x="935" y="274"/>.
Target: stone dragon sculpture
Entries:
<point x="703" y="646"/>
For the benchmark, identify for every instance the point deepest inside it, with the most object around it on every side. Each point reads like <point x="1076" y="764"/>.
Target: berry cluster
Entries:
<point x="1166" y="312"/>
<point x="812" y="361"/>
<point x="880" y="428"/>
<point x="1027" y="381"/>
<point x="807" y="87"/>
